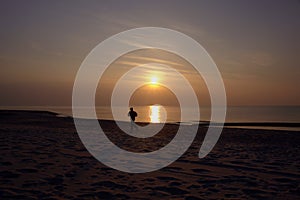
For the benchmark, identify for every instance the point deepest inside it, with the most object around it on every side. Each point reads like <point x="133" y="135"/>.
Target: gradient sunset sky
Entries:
<point x="255" y="44"/>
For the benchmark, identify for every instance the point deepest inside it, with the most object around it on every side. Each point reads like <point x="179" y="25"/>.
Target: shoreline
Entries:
<point x="278" y="126"/>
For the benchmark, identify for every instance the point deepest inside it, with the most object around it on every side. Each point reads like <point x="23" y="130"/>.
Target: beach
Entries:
<point x="42" y="157"/>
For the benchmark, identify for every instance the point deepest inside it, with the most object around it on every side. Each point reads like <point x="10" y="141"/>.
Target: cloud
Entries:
<point x="153" y="60"/>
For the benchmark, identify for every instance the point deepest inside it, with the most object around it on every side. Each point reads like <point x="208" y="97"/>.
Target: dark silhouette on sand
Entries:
<point x="132" y="114"/>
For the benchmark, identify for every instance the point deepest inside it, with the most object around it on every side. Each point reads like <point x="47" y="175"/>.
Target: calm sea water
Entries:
<point x="156" y="114"/>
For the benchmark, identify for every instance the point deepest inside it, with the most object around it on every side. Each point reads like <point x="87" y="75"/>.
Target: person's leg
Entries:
<point x="131" y="125"/>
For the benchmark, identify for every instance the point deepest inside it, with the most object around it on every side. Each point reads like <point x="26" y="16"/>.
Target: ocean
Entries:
<point x="157" y="114"/>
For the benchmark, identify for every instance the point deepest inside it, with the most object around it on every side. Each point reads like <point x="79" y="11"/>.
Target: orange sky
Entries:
<point x="255" y="46"/>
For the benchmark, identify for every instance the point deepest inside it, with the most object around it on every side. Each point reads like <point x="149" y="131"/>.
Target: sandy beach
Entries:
<point x="42" y="157"/>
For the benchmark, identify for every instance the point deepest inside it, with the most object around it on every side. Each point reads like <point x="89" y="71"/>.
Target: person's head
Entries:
<point x="131" y="108"/>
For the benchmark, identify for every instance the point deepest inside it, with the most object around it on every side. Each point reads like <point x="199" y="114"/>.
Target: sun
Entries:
<point x="154" y="80"/>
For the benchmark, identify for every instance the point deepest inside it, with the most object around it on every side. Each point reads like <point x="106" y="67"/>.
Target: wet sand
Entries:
<point x="42" y="157"/>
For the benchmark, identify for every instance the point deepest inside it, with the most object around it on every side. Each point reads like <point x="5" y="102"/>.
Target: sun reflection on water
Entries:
<point x="155" y="114"/>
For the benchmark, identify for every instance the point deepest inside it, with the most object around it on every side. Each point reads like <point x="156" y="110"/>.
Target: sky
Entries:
<point x="255" y="44"/>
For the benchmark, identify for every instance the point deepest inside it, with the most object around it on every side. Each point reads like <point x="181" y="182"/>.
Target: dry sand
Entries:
<point x="42" y="157"/>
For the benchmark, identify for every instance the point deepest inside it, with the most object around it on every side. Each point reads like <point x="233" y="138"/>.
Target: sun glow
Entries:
<point x="154" y="80"/>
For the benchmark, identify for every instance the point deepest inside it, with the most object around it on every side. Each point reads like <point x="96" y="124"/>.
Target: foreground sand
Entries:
<point x="42" y="157"/>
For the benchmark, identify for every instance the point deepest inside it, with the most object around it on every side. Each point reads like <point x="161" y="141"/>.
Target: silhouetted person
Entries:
<point x="132" y="114"/>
